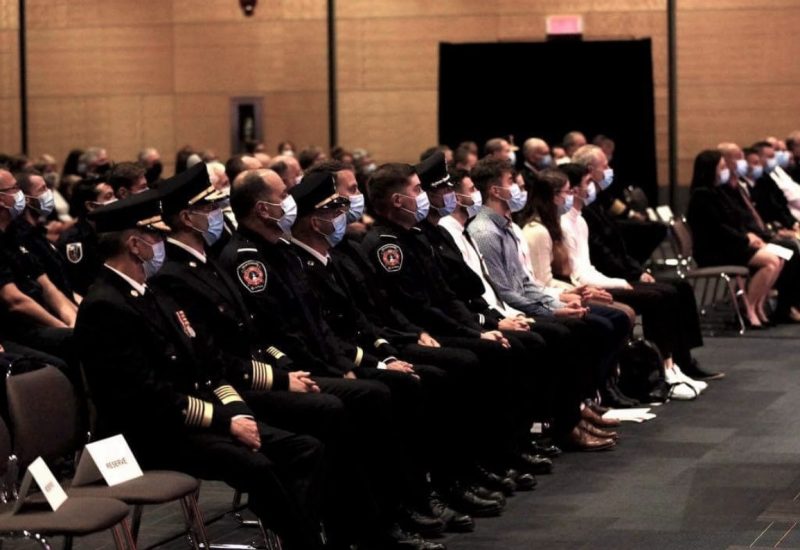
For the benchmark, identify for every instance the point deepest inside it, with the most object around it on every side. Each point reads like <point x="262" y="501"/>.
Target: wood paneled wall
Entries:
<point x="130" y="73"/>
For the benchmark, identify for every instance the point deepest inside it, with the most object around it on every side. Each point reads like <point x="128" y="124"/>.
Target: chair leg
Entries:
<point x="271" y="540"/>
<point x="67" y="542"/>
<point x="237" y="514"/>
<point x="735" y="303"/>
<point x="136" y="522"/>
<point x="120" y="536"/>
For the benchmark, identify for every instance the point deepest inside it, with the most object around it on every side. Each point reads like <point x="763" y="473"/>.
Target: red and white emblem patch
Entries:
<point x="185" y="325"/>
<point x="253" y="275"/>
<point x="391" y="257"/>
<point x="74" y="252"/>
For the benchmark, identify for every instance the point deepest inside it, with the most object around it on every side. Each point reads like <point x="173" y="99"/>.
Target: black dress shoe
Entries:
<point x="534" y="464"/>
<point x="613" y="397"/>
<point x="398" y="539"/>
<point x="545" y="449"/>
<point x="488" y="494"/>
<point x="524" y="481"/>
<point x="463" y="499"/>
<point x="454" y="522"/>
<point x="415" y="521"/>
<point x="494" y="481"/>
<point x="694" y="370"/>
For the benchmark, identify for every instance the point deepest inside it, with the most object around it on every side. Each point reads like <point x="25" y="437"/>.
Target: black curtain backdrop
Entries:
<point x="547" y="89"/>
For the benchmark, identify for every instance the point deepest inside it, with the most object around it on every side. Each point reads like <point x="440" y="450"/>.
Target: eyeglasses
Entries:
<point x="10" y="190"/>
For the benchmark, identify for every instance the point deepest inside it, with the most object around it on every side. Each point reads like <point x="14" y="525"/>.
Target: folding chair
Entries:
<point x="44" y="415"/>
<point x="75" y="517"/>
<point x="729" y="279"/>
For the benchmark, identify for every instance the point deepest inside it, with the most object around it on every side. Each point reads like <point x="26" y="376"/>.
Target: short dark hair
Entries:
<point x="110" y="244"/>
<point x="83" y="192"/>
<point x="387" y="180"/>
<point x="308" y="155"/>
<point x="332" y="166"/>
<point x="125" y="174"/>
<point x="24" y="179"/>
<point x="181" y="158"/>
<point x="574" y="172"/>
<point x="461" y="153"/>
<point x="235" y="166"/>
<point x="489" y="171"/>
<point x="247" y="193"/>
<point x="759" y="146"/>
<point x="493" y="145"/>
<point x="457" y="176"/>
<point x="750" y="151"/>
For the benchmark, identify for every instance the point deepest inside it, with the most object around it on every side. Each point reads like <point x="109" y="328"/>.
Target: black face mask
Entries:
<point x="153" y="174"/>
<point x="101" y="169"/>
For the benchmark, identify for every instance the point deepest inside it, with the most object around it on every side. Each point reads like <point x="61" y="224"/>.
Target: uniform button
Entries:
<point x="173" y="357"/>
<point x="252" y="316"/>
<point x="221" y="308"/>
<point x="240" y="324"/>
<point x="208" y="383"/>
<point x="196" y="386"/>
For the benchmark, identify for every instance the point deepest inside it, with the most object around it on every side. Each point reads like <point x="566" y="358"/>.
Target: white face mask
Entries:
<point x="477" y="203"/>
<point x="356" y="210"/>
<point x="512" y="158"/>
<point x="286" y="221"/>
<point x="46" y="203"/>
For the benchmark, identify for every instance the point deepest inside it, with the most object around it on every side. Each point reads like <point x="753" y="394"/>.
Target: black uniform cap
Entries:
<point x="142" y="210"/>
<point x="317" y="191"/>
<point x="185" y="189"/>
<point x="432" y="172"/>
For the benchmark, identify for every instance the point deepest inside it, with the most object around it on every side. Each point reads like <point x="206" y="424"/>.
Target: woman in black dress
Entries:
<point x="721" y="237"/>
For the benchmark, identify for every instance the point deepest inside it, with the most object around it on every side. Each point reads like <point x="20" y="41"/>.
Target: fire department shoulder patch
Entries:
<point x="391" y="257"/>
<point x="74" y="252"/>
<point x="253" y="275"/>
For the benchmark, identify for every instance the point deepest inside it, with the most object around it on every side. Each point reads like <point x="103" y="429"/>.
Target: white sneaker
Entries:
<point x="679" y="390"/>
<point x="682" y="392"/>
<point x="698" y="385"/>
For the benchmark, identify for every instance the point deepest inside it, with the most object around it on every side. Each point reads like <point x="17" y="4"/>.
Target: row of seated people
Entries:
<point x="744" y="211"/>
<point x="380" y="379"/>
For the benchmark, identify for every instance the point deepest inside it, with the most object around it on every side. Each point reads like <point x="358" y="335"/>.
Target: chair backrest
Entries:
<point x="636" y="198"/>
<point x="683" y="237"/>
<point x="44" y="415"/>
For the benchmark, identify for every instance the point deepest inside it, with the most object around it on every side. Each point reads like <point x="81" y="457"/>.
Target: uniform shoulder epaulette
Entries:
<point x="248" y="249"/>
<point x="387" y="236"/>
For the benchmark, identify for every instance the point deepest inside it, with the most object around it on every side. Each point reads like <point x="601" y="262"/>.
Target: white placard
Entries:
<point x="39" y="473"/>
<point x="780" y="251"/>
<point x="111" y="459"/>
<point x="630" y="415"/>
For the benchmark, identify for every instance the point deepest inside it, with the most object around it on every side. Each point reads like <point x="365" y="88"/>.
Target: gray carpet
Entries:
<point x="720" y="472"/>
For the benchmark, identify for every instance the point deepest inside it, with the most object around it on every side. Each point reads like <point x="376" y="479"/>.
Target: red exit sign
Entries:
<point x="564" y="25"/>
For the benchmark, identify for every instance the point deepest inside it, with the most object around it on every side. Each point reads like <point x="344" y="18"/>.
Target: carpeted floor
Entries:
<point x="720" y="472"/>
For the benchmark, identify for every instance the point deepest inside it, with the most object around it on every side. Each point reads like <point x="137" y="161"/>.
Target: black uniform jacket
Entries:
<point x="212" y="300"/>
<point x="150" y="376"/>
<point x="272" y="284"/>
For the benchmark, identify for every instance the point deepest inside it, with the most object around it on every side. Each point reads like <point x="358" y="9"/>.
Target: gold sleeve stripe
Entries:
<point x="380" y="342"/>
<point x="198" y="413"/>
<point x="226" y="394"/>
<point x="262" y="376"/>
<point x="359" y="356"/>
<point x="275" y="352"/>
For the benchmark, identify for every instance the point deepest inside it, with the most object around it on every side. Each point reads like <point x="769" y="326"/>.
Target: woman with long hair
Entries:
<point x="721" y="238"/>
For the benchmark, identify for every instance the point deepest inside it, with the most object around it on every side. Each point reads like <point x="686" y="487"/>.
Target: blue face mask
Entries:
<point x="286" y="221"/>
<point x="758" y="171"/>
<point x="724" y="176"/>
<point x="450" y="204"/>
<point x="216" y="224"/>
<point x="772" y="164"/>
<point x="152" y="265"/>
<point x="545" y="161"/>
<point x="518" y="198"/>
<point x="608" y="179"/>
<point x="741" y="167"/>
<point x="339" y="227"/>
<point x="423" y="205"/>
<point x="356" y="208"/>
<point x="44" y="203"/>
<point x="569" y="200"/>
<point x="783" y="158"/>
<point x="19" y="204"/>
<point x="591" y="193"/>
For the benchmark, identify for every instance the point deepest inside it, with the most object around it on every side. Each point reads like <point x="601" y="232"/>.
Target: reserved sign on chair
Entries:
<point x="110" y="459"/>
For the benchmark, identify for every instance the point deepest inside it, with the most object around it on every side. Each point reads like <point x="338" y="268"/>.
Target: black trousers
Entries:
<point x="450" y="406"/>
<point x="496" y="407"/>
<point x="788" y="283"/>
<point x="669" y="316"/>
<point x="283" y="479"/>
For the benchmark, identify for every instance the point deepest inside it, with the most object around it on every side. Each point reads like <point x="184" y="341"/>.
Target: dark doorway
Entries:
<point x="546" y="89"/>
